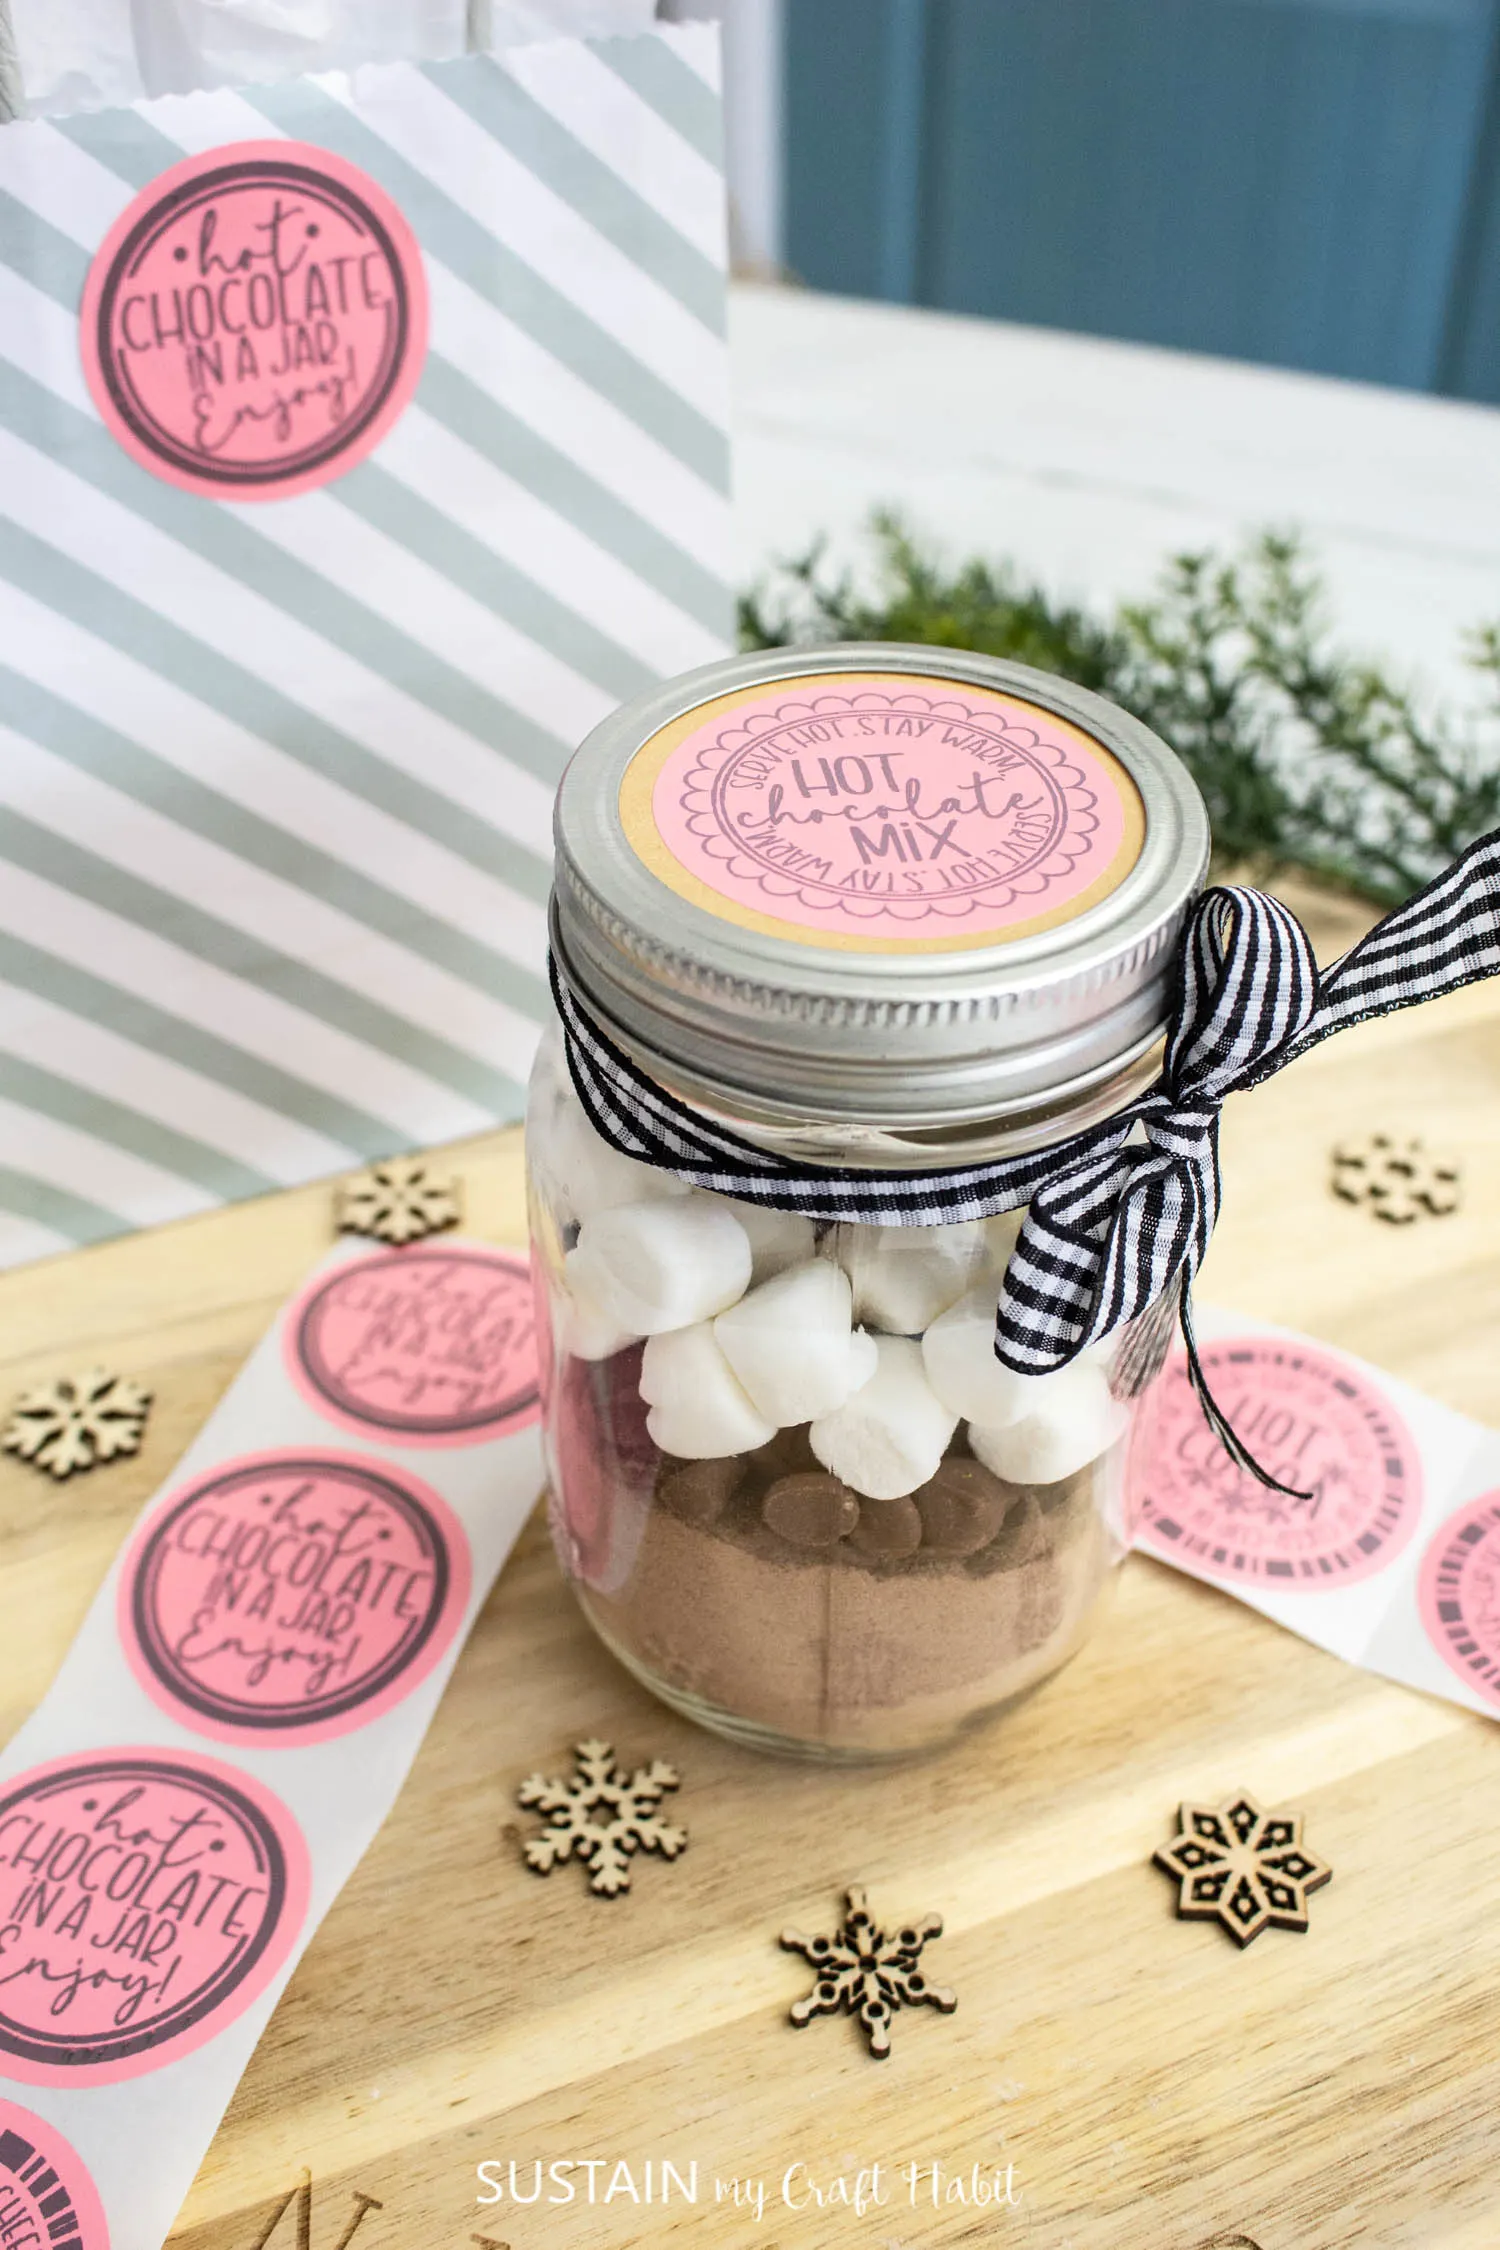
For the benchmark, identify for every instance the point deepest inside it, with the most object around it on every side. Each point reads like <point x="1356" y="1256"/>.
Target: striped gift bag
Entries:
<point x="363" y="440"/>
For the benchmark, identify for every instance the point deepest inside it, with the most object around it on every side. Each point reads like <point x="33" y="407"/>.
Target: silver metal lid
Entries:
<point x="869" y="884"/>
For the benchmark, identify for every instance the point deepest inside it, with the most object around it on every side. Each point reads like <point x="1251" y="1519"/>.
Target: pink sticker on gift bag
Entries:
<point x="255" y="320"/>
<point x="291" y="1596"/>
<point x="433" y="1346"/>
<point x="1312" y="1420"/>
<point x="46" y="2195"/>
<point x="146" y="1898"/>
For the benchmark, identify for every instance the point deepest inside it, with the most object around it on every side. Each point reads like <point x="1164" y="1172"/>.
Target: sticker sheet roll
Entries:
<point x="236" y="1716"/>
<point x="1392" y="1558"/>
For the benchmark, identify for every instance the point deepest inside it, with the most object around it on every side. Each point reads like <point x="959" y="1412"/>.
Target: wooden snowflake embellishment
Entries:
<point x="868" y="1974"/>
<point x="398" y="1201"/>
<point x="601" y="1816"/>
<point x="1243" y="1867"/>
<point x="1398" y="1180"/>
<point x="77" y="1422"/>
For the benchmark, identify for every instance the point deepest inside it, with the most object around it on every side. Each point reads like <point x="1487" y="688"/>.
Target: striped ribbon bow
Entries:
<point x="1123" y="1211"/>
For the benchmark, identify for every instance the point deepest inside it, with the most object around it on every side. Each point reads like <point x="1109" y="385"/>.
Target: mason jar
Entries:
<point x="869" y="909"/>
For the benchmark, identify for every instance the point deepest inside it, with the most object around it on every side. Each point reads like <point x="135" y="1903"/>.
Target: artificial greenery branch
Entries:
<point x="1306" y="757"/>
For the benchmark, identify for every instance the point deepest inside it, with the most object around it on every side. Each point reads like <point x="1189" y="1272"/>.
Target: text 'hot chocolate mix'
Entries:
<point x="1354" y="1471"/>
<point x="873" y="813"/>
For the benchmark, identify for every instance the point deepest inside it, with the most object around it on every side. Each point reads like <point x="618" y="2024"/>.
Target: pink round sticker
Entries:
<point x="1317" y="1426"/>
<point x="255" y="320"/>
<point x="289" y="1597"/>
<point x="47" y="2200"/>
<point x="419" y="1346"/>
<point x="1458" y="1594"/>
<point x="146" y="1898"/>
<point x="883" y="810"/>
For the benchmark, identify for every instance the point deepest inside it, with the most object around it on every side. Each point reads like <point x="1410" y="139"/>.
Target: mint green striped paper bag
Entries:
<point x="363" y="441"/>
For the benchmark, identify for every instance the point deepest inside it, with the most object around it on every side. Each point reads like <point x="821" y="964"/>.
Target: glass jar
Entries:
<point x="873" y="908"/>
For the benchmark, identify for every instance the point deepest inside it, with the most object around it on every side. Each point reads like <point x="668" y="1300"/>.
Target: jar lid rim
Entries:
<point x="828" y="1029"/>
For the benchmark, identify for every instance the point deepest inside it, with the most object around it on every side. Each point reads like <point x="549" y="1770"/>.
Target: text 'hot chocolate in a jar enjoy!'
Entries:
<point x="846" y="943"/>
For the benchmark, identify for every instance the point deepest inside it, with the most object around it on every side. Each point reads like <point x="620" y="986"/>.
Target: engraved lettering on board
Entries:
<point x="301" y="2197"/>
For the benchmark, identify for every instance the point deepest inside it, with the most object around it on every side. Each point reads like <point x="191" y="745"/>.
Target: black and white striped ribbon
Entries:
<point x="1122" y="1211"/>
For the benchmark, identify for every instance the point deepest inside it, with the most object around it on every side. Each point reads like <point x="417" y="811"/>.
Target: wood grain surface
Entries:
<point x="1152" y="2088"/>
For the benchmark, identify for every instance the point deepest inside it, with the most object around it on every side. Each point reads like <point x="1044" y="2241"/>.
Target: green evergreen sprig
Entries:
<point x="1307" y="757"/>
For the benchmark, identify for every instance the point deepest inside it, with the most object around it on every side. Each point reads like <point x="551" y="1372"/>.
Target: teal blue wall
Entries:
<point x="1310" y="182"/>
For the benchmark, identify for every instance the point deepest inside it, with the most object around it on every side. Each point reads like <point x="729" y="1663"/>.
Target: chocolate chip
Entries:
<point x="1069" y="1494"/>
<point x="962" y="1508"/>
<point x="1023" y="1535"/>
<point x="811" y="1509"/>
<point x="787" y="1454"/>
<point x="699" y="1491"/>
<point x="1042" y="1604"/>
<point x="887" y="1529"/>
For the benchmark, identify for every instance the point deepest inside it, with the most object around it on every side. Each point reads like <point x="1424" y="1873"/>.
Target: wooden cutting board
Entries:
<point x="1152" y="2087"/>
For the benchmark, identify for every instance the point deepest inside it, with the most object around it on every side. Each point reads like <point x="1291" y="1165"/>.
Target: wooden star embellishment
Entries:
<point x="1398" y="1181"/>
<point x="601" y="1816"/>
<point x="1243" y="1867"/>
<point x="401" y="1200"/>
<point x="77" y="1422"/>
<point x="868" y="1974"/>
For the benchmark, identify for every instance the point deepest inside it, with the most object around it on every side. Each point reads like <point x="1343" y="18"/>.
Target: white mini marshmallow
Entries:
<point x="582" y="1329"/>
<point x="652" y="1267"/>
<point x="889" y="1437"/>
<point x="958" y="1352"/>
<point x="778" y="1239"/>
<point x="699" y="1409"/>
<point x="585" y="1174"/>
<point x="903" y="1277"/>
<point x="1067" y="1420"/>
<point x="790" y="1343"/>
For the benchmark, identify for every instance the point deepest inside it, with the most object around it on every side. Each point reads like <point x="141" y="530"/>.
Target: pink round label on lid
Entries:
<point x="292" y="1596"/>
<point x="1312" y="1421"/>
<point x="1458" y="1594"/>
<point x="431" y="1346"/>
<point x="47" y="2200"/>
<point x="255" y="321"/>
<point x="881" y="813"/>
<point x="146" y="1898"/>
